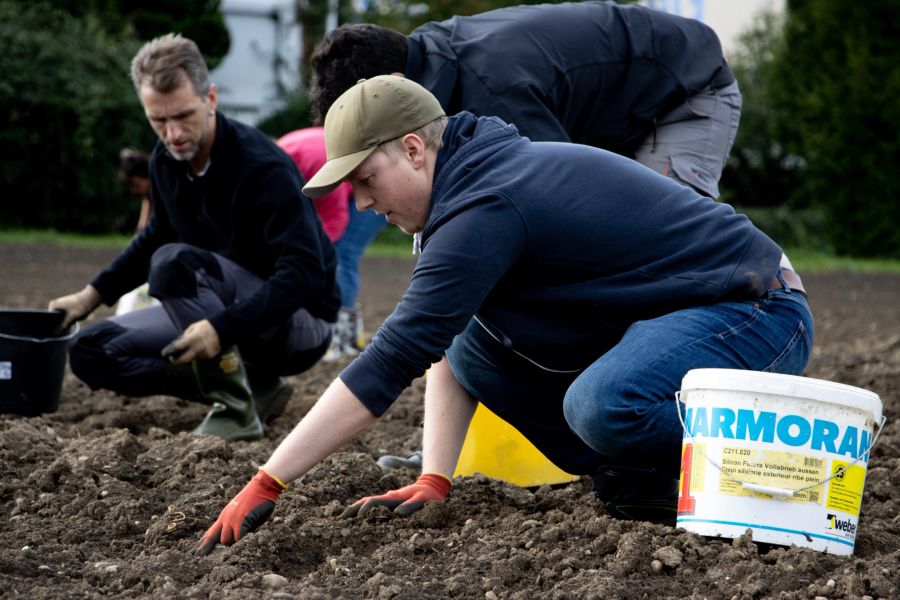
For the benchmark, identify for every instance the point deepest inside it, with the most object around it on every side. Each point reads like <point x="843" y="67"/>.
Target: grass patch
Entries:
<point x="805" y="260"/>
<point x="390" y="249"/>
<point x="46" y="236"/>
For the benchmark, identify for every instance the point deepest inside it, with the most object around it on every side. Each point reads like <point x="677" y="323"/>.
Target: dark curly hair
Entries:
<point x="133" y="163"/>
<point x="349" y="53"/>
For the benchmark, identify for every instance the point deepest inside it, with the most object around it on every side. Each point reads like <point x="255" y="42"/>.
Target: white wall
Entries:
<point x="262" y="61"/>
<point x="729" y="18"/>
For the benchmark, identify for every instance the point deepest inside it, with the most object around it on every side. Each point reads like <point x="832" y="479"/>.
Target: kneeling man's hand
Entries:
<point x="199" y="341"/>
<point x="77" y="306"/>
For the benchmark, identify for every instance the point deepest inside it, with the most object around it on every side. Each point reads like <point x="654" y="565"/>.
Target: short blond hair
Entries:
<point x="432" y="135"/>
<point x="163" y="62"/>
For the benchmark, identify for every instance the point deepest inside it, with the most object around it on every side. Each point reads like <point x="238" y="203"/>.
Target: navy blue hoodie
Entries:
<point x="559" y="247"/>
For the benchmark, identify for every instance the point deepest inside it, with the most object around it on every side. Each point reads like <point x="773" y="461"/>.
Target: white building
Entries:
<point x="261" y="65"/>
<point x="729" y="18"/>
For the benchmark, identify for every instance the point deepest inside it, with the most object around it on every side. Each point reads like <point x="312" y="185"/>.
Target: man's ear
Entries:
<point x="212" y="97"/>
<point x="414" y="149"/>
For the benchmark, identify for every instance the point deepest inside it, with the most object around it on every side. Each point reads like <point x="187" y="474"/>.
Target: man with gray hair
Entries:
<point x="567" y="288"/>
<point x="234" y="252"/>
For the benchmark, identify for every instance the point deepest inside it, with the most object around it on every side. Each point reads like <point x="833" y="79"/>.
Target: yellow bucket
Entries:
<point x="495" y="448"/>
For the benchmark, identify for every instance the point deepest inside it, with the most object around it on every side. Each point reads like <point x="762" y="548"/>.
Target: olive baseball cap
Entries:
<point x="372" y="112"/>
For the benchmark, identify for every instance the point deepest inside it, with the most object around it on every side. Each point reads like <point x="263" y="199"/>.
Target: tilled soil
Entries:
<point x="108" y="496"/>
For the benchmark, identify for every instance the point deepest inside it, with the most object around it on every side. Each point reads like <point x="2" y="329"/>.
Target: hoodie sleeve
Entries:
<point x="462" y="261"/>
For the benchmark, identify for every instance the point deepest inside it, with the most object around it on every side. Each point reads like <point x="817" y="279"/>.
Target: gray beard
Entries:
<point x="182" y="156"/>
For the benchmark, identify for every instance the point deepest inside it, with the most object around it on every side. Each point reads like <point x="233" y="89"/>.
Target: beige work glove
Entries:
<point x="77" y="306"/>
<point x="199" y="341"/>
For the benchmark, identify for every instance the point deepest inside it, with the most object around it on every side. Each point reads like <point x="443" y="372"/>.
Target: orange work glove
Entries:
<point x="406" y="500"/>
<point x="245" y="513"/>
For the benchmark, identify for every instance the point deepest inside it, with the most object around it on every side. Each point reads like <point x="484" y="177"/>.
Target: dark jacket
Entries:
<point x="248" y="208"/>
<point x="558" y="248"/>
<point x="593" y="73"/>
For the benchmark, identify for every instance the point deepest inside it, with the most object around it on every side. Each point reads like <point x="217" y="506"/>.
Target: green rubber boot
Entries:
<point x="223" y="381"/>
<point x="271" y="399"/>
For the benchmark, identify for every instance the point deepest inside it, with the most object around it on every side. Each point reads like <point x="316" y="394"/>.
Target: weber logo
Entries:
<point x="5" y="370"/>
<point x="844" y="525"/>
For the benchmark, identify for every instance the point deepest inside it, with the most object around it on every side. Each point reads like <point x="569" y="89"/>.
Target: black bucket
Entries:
<point x="32" y="360"/>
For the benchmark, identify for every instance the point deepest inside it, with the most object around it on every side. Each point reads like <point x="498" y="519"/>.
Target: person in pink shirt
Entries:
<point x="307" y="148"/>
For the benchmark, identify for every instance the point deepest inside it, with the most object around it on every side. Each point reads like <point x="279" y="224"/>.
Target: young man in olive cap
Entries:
<point x="565" y="287"/>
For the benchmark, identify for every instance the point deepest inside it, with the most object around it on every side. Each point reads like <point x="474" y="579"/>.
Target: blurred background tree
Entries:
<point x="812" y="163"/>
<point x="199" y="20"/>
<point x="66" y="108"/>
<point x="835" y="84"/>
<point x="67" y="105"/>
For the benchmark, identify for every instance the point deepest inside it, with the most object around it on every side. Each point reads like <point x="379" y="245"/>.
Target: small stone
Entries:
<point x="830" y="583"/>
<point x="490" y="595"/>
<point x="656" y="566"/>
<point x="274" y="580"/>
<point x="104" y="493"/>
<point x="43" y="568"/>
<point x="529" y="544"/>
<point x="670" y="556"/>
<point x="111" y="568"/>
<point x="332" y="509"/>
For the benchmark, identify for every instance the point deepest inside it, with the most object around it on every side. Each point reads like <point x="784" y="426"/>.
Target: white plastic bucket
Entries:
<point x="782" y="455"/>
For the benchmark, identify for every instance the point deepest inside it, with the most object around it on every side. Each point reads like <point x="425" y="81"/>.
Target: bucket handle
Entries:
<point x="766" y="489"/>
<point x="19" y="338"/>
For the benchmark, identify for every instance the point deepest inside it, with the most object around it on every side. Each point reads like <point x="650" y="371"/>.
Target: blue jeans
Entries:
<point x="620" y="411"/>
<point x="361" y="230"/>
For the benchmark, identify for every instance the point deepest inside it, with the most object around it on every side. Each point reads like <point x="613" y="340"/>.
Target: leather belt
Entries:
<point x="790" y="278"/>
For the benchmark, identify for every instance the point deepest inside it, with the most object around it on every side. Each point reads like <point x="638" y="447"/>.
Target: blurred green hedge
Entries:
<point x="790" y="228"/>
<point x="67" y="106"/>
